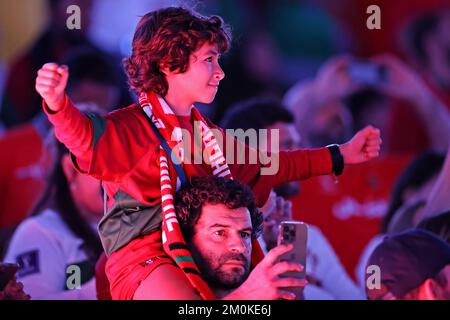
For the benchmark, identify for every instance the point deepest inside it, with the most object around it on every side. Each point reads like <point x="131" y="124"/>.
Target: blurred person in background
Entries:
<point x="408" y="198"/>
<point x="323" y="102"/>
<point x="347" y="213"/>
<point x="415" y="183"/>
<point x="439" y="201"/>
<point x="346" y="94"/>
<point x="419" y="198"/>
<point x="413" y="265"/>
<point x="28" y="154"/>
<point x="20" y="101"/>
<point x="438" y="224"/>
<point x="427" y="46"/>
<point x="327" y="279"/>
<point x="61" y="232"/>
<point x="425" y="41"/>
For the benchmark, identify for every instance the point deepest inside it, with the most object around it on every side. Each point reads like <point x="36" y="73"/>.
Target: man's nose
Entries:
<point x="236" y="244"/>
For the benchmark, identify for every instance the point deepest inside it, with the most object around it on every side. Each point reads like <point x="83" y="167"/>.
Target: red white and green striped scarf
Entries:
<point x="168" y="126"/>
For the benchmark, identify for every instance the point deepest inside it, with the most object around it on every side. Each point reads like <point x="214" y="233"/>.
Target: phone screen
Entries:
<point x="295" y="233"/>
<point x="367" y="73"/>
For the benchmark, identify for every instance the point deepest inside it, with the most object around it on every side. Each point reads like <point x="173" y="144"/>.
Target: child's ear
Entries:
<point x="165" y="68"/>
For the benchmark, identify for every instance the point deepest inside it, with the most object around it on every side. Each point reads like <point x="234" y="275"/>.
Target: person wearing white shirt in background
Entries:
<point x="59" y="238"/>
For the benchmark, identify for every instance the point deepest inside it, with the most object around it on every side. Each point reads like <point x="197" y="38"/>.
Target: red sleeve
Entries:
<point x="264" y="175"/>
<point x="105" y="147"/>
<point x="74" y="129"/>
<point x="303" y="164"/>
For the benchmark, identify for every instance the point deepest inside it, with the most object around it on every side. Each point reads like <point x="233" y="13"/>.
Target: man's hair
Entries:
<point x="167" y="37"/>
<point x="201" y="191"/>
<point x="256" y="113"/>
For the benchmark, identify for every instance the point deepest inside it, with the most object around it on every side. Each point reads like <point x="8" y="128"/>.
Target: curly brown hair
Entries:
<point x="190" y="200"/>
<point x="167" y="37"/>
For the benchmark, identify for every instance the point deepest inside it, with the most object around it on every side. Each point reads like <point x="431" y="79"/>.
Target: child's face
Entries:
<point x="201" y="80"/>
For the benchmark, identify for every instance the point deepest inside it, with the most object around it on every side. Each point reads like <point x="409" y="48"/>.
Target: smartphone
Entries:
<point x="367" y="73"/>
<point x="296" y="233"/>
<point x="7" y="272"/>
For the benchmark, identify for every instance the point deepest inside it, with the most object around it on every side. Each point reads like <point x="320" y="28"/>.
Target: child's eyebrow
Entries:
<point x="213" y="52"/>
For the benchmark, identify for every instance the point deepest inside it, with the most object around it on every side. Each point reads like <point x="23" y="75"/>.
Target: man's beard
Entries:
<point x="212" y="273"/>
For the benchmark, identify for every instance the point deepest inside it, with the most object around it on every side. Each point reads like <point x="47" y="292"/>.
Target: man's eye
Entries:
<point x="245" y="235"/>
<point x="219" y="233"/>
<point x="209" y="59"/>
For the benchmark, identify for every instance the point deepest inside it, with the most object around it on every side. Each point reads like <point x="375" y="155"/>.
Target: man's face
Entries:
<point x="222" y="245"/>
<point x="201" y="80"/>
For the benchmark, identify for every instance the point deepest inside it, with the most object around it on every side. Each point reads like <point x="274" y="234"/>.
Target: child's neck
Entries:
<point x="179" y="106"/>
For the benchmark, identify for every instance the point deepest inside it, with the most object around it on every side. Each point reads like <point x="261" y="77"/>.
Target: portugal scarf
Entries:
<point x="168" y="126"/>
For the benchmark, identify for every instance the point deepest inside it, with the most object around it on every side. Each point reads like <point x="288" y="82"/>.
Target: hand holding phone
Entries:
<point x="367" y="73"/>
<point x="295" y="233"/>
